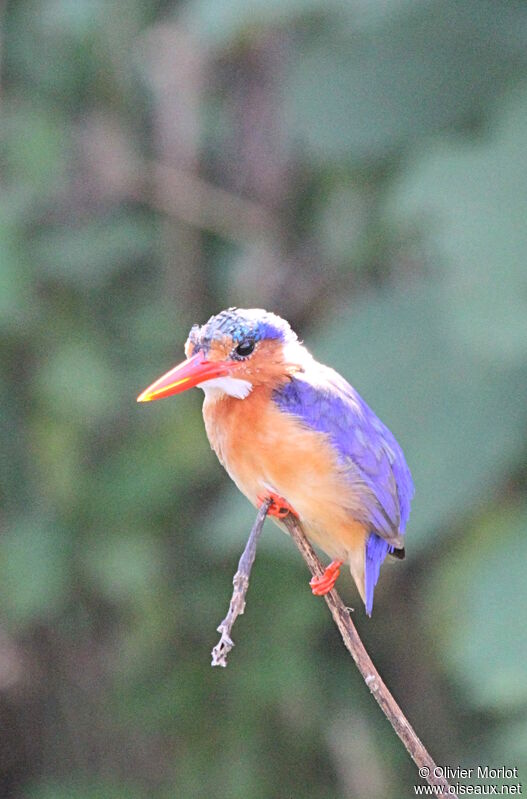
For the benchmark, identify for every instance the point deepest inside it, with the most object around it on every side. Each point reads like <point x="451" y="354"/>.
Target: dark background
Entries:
<point x="359" y="168"/>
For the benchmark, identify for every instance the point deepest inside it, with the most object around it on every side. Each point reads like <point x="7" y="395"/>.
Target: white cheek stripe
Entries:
<point x="232" y="386"/>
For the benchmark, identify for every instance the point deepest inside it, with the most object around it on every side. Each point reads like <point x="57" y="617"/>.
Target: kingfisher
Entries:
<point x="293" y="431"/>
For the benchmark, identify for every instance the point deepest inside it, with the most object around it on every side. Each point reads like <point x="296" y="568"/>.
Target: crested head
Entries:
<point x="234" y="326"/>
<point x="234" y="352"/>
<point x="256" y="344"/>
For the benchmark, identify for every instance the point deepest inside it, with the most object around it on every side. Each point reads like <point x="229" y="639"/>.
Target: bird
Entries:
<point x="293" y="431"/>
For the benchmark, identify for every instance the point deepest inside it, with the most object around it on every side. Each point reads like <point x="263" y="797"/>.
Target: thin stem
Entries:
<point x="240" y="582"/>
<point x="390" y="708"/>
<point x="402" y="727"/>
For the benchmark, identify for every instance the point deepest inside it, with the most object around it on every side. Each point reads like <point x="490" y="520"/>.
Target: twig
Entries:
<point x="390" y="708"/>
<point x="402" y="727"/>
<point x="241" y="584"/>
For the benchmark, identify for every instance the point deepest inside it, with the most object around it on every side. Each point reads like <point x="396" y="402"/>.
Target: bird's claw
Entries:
<point x="323" y="584"/>
<point x="279" y="506"/>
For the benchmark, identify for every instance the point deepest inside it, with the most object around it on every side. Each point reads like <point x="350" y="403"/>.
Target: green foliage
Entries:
<point x="88" y="255"/>
<point x="387" y="141"/>
<point x="478" y="207"/>
<point x="35" y="570"/>
<point x="363" y="94"/>
<point x="73" y="789"/>
<point x="476" y="592"/>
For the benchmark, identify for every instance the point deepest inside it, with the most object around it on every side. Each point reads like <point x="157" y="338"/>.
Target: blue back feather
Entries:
<point x="325" y="402"/>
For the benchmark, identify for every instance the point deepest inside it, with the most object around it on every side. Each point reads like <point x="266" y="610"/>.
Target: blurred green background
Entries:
<point x="360" y="168"/>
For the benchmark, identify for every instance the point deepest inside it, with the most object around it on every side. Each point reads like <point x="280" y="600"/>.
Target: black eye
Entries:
<point x="244" y="348"/>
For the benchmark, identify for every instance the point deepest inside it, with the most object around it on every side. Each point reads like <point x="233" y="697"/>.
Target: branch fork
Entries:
<point x="350" y="636"/>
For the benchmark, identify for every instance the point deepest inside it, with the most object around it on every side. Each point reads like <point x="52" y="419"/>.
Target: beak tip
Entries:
<point x="190" y="373"/>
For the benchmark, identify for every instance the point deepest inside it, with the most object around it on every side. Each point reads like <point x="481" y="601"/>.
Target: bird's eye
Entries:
<point x="244" y="348"/>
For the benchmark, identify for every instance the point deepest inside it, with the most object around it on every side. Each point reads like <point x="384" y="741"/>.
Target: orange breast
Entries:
<point x="263" y="448"/>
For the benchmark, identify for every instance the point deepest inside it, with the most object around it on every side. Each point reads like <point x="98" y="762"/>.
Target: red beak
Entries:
<point x="190" y="373"/>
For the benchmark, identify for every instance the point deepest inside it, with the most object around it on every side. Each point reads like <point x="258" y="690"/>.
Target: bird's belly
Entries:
<point x="274" y="452"/>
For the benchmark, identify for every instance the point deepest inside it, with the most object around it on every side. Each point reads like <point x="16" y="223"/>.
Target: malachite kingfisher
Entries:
<point x="287" y="427"/>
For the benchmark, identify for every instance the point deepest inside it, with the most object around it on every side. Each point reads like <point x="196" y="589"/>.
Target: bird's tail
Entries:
<point x="376" y="550"/>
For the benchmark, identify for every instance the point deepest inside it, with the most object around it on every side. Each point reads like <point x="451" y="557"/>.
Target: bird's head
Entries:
<point x="232" y="353"/>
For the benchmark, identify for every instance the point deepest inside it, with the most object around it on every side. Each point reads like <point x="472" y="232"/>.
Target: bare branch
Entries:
<point x="241" y="584"/>
<point x="372" y="678"/>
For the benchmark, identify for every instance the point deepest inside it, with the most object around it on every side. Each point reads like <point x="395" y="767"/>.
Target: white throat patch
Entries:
<point x="232" y="386"/>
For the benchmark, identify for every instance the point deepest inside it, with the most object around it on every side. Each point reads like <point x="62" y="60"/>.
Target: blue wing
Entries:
<point x="325" y="402"/>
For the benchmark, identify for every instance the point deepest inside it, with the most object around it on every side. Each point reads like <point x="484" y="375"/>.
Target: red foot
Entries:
<point x="279" y="506"/>
<point x="322" y="585"/>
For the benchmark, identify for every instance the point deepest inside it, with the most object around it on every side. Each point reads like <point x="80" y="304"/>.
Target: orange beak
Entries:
<point x="190" y="373"/>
